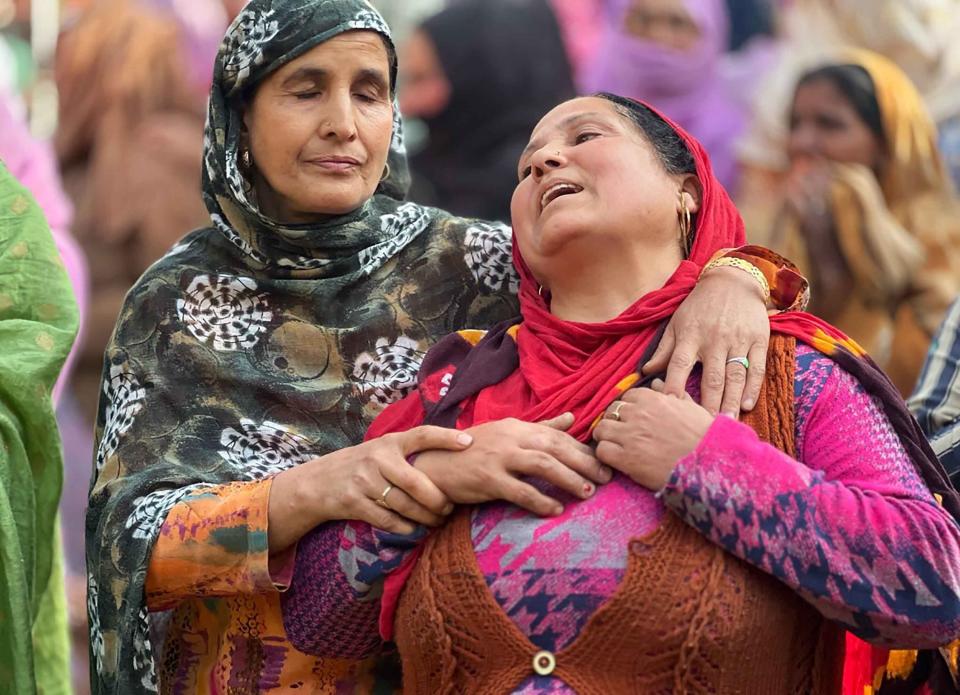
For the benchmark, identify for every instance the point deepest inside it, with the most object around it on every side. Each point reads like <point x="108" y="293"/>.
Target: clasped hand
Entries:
<point x="646" y="432"/>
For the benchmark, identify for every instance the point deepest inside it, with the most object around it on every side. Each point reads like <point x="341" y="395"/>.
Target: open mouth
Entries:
<point x="558" y="190"/>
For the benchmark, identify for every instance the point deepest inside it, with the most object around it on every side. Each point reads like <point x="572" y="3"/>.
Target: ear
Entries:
<point x="693" y="192"/>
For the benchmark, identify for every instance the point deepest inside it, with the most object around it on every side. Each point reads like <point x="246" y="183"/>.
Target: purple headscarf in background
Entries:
<point x="202" y="25"/>
<point x="686" y="85"/>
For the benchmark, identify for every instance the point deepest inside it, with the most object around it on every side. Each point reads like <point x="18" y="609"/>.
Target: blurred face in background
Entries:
<point x="424" y="90"/>
<point x="666" y="22"/>
<point x="824" y="125"/>
<point x="319" y="129"/>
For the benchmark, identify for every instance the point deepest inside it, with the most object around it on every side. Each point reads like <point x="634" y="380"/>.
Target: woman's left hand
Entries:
<point x="724" y="317"/>
<point x="646" y="432"/>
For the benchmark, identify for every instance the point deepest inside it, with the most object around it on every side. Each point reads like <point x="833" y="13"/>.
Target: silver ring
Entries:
<point x="743" y="361"/>
<point x="382" y="501"/>
<point x="615" y="413"/>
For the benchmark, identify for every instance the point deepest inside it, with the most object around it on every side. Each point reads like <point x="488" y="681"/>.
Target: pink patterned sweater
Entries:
<point x="850" y="526"/>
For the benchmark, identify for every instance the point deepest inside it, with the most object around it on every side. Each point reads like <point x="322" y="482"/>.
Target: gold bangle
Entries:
<point x="746" y="266"/>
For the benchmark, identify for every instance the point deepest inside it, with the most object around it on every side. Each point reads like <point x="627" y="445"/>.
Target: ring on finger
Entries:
<point x="615" y="412"/>
<point x="382" y="500"/>
<point x="742" y="361"/>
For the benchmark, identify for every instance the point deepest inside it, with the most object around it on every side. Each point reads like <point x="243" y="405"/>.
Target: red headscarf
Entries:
<point x="577" y="367"/>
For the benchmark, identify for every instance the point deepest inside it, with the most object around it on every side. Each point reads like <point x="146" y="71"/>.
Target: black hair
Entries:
<point x="392" y="62"/>
<point x="671" y="150"/>
<point x="856" y="85"/>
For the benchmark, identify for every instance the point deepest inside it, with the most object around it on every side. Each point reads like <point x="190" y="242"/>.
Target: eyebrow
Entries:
<point x="317" y="75"/>
<point x="566" y="122"/>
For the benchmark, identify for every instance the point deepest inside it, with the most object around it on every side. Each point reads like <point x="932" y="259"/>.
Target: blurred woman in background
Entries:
<point x="668" y="53"/>
<point x="868" y="210"/>
<point x="918" y="35"/>
<point x="480" y="75"/>
<point x="129" y="142"/>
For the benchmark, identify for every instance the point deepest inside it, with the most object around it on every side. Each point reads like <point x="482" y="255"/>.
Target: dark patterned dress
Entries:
<point x="251" y="347"/>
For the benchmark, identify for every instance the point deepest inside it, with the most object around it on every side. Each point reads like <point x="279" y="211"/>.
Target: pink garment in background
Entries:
<point x="202" y="25"/>
<point x="581" y="22"/>
<point x="33" y="163"/>
<point x="686" y="85"/>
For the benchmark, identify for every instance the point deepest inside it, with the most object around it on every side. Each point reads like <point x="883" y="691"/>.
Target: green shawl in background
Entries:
<point x="38" y="324"/>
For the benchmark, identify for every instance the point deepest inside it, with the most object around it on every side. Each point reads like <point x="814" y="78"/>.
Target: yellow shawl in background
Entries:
<point x="899" y="235"/>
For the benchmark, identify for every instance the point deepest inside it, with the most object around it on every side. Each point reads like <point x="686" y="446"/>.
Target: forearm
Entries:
<point x="885" y="566"/>
<point x="332" y="608"/>
<point x="214" y="543"/>
<point x="295" y="507"/>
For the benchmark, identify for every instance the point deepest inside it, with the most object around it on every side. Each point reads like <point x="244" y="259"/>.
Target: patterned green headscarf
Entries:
<point x="253" y="346"/>
<point x="38" y="323"/>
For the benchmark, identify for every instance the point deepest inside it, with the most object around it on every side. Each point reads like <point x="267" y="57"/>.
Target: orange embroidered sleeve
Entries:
<point x="214" y="543"/>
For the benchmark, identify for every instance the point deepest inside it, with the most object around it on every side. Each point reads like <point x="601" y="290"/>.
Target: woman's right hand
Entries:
<point x="346" y="484"/>
<point x="505" y="450"/>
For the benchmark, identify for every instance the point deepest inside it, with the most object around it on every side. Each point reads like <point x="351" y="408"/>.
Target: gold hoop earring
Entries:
<point x="386" y="172"/>
<point x="246" y="158"/>
<point x="686" y="224"/>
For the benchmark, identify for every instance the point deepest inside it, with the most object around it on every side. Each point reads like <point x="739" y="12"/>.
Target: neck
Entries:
<point x="595" y="289"/>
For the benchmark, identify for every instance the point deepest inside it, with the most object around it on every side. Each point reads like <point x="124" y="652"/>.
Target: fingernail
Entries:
<point x="557" y="510"/>
<point x="448" y="510"/>
<point x="587" y="490"/>
<point x="729" y="414"/>
<point x="747" y="403"/>
<point x="465" y="439"/>
<point x="606" y="472"/>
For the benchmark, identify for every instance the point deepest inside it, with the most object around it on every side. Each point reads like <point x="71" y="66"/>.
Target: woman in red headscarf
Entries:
<point x="685" y="552"/>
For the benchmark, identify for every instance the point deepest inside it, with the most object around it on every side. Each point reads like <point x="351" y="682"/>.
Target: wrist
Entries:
<point x="295" y="507"/>
<point x="427" y="461"/>
<point x="732" y="274"/>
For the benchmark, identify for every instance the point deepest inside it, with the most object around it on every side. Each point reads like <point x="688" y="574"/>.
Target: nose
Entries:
<point x="339" y="121"/>
<point x="803" y="142"/>
<point x="546" y="159"/>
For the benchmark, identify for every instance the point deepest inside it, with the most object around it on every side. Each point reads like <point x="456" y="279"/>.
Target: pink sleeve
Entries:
<point x="851" y="526"/>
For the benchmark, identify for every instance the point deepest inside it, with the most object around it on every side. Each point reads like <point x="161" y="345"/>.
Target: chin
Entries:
<point x="558" y="232"/>
<point x="335" y="204"/>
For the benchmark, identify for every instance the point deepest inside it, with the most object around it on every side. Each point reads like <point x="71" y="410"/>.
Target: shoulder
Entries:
<point x="33" y="280"/>
<point x="480" y="250"/>
<point x="812" y="370"/>
<point x="823" y="385"/>
<point x="198" y="258"/>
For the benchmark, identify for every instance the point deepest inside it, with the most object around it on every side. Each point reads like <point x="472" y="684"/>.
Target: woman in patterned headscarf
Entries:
<point x="247" y="363"/>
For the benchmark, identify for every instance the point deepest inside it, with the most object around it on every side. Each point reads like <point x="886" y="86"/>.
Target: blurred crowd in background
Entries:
<point x="102" y="107"/>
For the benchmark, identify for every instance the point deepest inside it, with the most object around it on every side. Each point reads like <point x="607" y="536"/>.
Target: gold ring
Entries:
<point x="615" y="413"/>
<point x="382" y="501"/>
